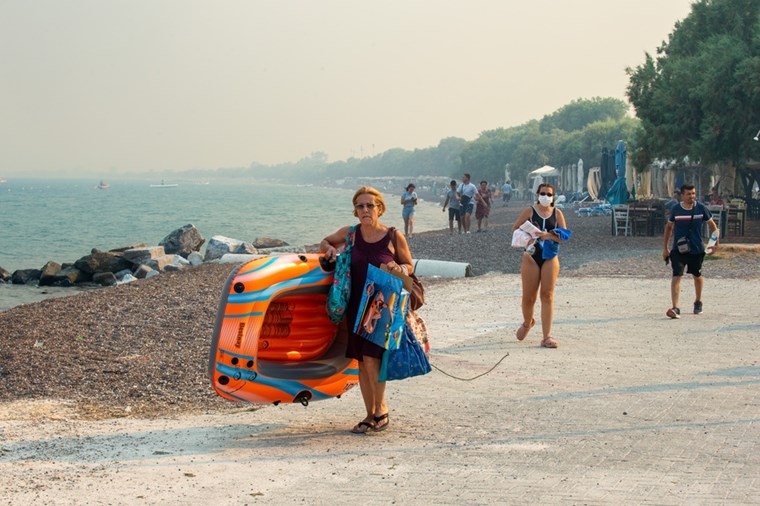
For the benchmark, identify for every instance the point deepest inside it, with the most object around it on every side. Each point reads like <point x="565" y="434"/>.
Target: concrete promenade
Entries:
<point x="633" y="408"/>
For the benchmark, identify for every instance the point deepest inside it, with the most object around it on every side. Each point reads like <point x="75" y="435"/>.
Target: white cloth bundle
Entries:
<point x="525" y="235"/>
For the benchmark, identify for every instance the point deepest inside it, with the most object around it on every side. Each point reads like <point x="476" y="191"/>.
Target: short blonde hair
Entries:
<point x="376" y="195"/>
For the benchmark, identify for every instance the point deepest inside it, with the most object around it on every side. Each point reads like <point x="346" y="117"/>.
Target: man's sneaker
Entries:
<point x="675" y="313"/>
<point x="698" y="307"/>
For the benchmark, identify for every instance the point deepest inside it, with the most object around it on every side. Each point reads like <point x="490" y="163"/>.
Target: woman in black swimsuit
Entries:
<point x="539" y="275"/>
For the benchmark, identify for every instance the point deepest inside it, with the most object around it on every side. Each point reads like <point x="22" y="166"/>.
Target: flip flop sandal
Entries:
<point x="378" y="419"/>
<point x="549" y="342"/>
<point x="523" y="330"/>
<point x="358" y="429"/>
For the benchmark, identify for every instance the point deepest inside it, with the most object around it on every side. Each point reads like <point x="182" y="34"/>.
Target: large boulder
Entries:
<point x="125" y="248"/>
<point x="219" y="246"/>
<point x="102" y="261"/>
<point x="49" y="273"/>
<point x="183" y="241"/>
<point x="160" y="263"/>
<point x="142" y="271"/>
<point x="104" y="278"/>
<point x="141" y="255"/>
<point x="70" y="275"/>
<point x="268" y="242"/>
<point x="25" y="276"/>
<point x="195" y="258"/>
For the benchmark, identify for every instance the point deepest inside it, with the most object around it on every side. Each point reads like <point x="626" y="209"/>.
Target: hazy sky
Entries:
<point x="111" y="86"/>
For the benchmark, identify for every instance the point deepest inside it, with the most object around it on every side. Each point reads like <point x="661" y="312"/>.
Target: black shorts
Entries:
<point x="453" y="214"/>
<point x="693" y="262"/>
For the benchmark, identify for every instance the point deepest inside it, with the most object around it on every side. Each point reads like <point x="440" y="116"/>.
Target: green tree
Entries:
<point x="700" y="97"/>
<point x="579" y="113"/>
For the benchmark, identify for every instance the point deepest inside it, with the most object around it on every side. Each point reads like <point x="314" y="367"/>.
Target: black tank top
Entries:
<point x="549" y="223"/>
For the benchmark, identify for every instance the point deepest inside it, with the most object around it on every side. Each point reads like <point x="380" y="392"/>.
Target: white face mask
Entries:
<point x="545" y="200"/>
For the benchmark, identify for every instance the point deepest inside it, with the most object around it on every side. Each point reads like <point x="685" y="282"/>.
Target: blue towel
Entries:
<point x="563" y="233"/>
<point x="550" y="249"/>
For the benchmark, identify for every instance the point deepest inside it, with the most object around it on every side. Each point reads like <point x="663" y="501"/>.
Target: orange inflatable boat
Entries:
<point x="273" y="341"/>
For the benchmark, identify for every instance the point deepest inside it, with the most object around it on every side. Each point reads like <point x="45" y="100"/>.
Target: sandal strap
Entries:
<point x="549" y="342"/>
<point x="357" y="430"/>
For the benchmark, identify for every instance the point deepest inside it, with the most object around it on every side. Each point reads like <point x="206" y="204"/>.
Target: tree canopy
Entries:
<point x="580" y="113"/>
<point x="578" y="130"/>
<point x="700" y="96"/>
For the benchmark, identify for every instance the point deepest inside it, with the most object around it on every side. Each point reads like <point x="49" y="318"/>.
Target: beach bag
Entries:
<point x="417" y="295"/>
<point x="415" y="288"/>
<point x="419" y="328"/>
<point x="340" y="290"/>
<point x="405" y="361"/>
<point x="382" y="308"/>
<point x="550" y="249"/>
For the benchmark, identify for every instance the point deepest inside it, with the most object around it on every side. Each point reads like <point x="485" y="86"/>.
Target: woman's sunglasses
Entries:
<point x="365" y="206"/>
<point x="544" y="194"/>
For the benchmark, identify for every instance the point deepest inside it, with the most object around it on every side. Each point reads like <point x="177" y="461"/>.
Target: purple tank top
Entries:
<point x="362" y="254"/>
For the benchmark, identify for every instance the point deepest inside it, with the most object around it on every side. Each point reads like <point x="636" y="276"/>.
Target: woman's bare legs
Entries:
<point x="531" y="278"/>
<point x="373" y="391"/>
<point x="409" y="226"/>
<point x="538" y="281"/>
<point x="549" y="274"/>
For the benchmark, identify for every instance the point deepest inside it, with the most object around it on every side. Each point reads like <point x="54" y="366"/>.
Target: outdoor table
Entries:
<point x="646" y="218"/>
<point x="736" y="214"/>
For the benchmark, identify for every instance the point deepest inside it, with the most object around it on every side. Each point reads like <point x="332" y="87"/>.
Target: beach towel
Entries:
<point x="340" y="290"/>
<point x="550" y="249"/>
<point x="382" y="309"/>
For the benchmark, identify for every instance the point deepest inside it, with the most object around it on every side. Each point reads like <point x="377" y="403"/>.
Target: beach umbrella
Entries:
<point x="545" y="171"/>
<point x="618" y="192"/>
<point x="607" y="167"/>
<point x="580" y="175"/>
<point x="539" y="175"/>
<point x="594" y="182"/>
<point x="620" y="158"/>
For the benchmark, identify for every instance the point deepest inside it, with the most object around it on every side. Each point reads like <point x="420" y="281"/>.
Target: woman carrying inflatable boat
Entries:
<point x="374" y="244"/>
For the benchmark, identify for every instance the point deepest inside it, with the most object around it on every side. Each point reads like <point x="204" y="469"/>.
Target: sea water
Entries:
<point x="63" y="220"/>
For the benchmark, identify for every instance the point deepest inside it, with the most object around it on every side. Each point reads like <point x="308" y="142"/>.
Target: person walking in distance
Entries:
<point x="484" y="198"/>
<point x="452" y="200"/>
<point x="506" y="193"/>
<point x="686" y="249"/>
<point x="408" y="200"/>
<point x="467" y="192"/>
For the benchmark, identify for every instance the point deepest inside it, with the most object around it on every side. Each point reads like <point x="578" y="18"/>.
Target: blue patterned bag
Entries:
<point x="340" y="291"/>
<point x="405" y="361"/>
<point x="382" y="308"/>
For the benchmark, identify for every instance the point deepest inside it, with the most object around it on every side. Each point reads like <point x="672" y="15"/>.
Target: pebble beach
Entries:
<point x="141" y="349"/>
<point x="105" y="394"/>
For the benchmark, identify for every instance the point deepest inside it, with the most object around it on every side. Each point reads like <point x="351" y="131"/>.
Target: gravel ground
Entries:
<point x="591" y="251"/>
<point x="141" y="349"/>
